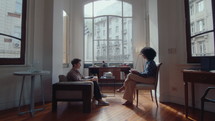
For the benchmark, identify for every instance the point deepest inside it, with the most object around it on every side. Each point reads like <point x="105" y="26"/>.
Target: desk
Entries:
<point x="195" y="76"/>
<point x="32" y="75"/>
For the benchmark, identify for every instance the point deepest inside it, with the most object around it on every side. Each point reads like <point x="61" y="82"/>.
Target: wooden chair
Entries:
<point x="205" y="99"/>
<point x="143" y="86"/>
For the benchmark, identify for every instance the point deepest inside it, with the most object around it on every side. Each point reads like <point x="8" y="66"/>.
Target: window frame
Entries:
<point x="108" y="17"/>
<point x="190" y="58"/>
<point x="21" y="60"/>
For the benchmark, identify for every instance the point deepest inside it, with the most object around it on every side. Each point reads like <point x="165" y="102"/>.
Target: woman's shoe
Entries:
<point x="120" y="89"/>
<point x="128" y="103"/>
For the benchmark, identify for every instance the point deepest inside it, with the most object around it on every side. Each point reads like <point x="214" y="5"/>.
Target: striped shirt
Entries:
<point x="75" y="75"/>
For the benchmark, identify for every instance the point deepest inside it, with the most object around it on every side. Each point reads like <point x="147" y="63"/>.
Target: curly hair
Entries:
<point x="75" y="61"/>
<point x="149" y="53"/>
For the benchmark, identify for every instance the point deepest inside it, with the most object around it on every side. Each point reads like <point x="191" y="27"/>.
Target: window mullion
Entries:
<point x="213" y="12"/>
<point x="93" y="32"/>
<point x="122" y="34"/>
<point x="108" y="55"/>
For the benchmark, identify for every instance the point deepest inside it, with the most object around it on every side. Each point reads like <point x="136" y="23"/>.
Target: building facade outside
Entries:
<point x="10" y="24"/>
<point x="201" y="21"/>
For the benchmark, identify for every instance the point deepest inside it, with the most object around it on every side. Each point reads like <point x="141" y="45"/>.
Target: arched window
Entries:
<point x="108" y="32"/>
<point x="12" y="31"/>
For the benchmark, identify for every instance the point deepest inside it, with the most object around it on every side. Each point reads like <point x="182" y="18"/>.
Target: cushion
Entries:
<point x="62" y="78"/>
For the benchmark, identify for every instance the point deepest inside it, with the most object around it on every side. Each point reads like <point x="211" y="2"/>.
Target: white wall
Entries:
<point x="47" y="45"/>
<point x="139" y="31"/>
<point x="57" y="40"/>
<point x="152" y="20"/>
<point x="152" y="31"/>
<point x="77" y="30"/>
<point x="57" y="65"/>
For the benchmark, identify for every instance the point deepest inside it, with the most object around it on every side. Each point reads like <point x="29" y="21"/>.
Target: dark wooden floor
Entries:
<point x="147" y="111"/>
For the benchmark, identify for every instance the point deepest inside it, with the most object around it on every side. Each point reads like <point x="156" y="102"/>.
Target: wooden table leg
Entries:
<point x="186" y="98"/>
<point x="32" y="96"/>
<point x="21" y="94"/>
<point x="193" y="95"/>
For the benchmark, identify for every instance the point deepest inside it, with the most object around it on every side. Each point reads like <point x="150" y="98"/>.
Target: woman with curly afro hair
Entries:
<point x="148" y="75"/>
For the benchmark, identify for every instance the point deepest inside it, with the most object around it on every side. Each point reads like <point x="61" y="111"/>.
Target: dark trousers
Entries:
<point x="97" y="93"/>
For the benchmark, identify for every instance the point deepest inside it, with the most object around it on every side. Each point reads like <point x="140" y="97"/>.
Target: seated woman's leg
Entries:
<point x="137" y="78"/>
<point x="129" y="90"/>
<point x="123" y="87"/>
<point x="130" y="84"/>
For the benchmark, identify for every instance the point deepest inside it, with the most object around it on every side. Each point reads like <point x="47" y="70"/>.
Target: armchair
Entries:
<point x="66" y="90"/>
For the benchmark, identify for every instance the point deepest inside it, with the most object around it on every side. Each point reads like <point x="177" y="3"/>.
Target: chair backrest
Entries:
<point x="157" y="73"/>
<point x="62" y="78"/>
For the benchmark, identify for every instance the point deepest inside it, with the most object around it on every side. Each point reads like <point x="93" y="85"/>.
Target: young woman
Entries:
<point x="147" y="76"/>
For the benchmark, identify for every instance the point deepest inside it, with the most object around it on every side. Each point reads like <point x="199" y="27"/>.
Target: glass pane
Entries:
<point x="88" y="10"/>
<point x="115" y="53"/>
<point x="11" y="18"/>
<point x="100" y="28"/>
<point x="203" y="45"/>
<point x="100" y="39"/>
<point x="127" y="40"/>
<point x="9" y="47"/>
<point x="108" y="8"/>
<point x="88" y="40"/>
<point x="100" y="50"/>
<point x="201" y="17"/>
<point x="115" y="28"/>
<point x="127" y="9"/>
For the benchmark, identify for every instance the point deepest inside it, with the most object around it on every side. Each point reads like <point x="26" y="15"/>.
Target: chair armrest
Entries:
<point x="206" y="92"/>
<point x="67" y="89"/>
<point x="75" y="86"/>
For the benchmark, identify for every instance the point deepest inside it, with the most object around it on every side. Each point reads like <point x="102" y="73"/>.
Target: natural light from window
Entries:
<point x="201" y="28"/>
<point x="108" y="32"/>
<point x="10" y="28"/>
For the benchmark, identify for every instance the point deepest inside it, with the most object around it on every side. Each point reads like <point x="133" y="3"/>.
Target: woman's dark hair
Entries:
<point x="75" y="61"/>
<point x="149" y="53"/>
